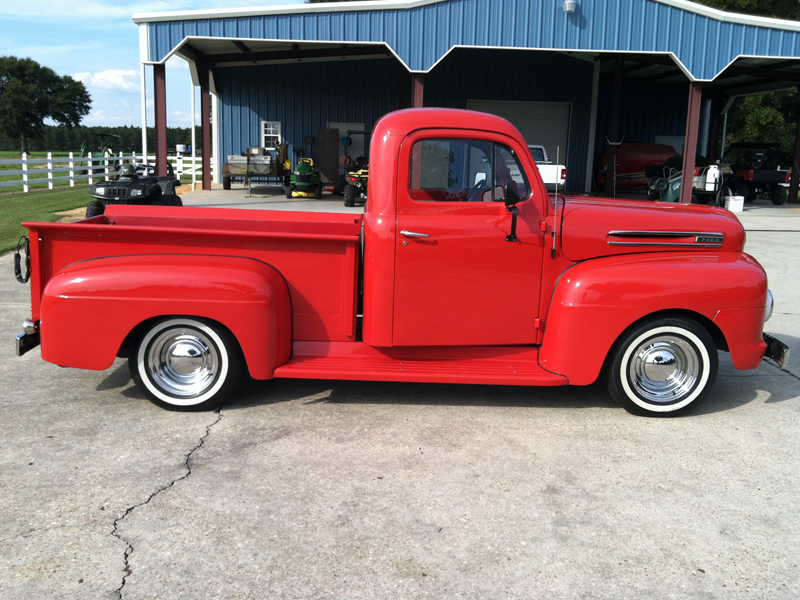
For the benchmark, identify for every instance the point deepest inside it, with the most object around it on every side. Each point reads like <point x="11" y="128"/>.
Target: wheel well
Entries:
<point x="716" y="334"/>
<point x="136" y="332"/>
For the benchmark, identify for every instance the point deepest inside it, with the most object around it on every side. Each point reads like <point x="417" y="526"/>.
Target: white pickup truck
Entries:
<point x="553" y="176"/>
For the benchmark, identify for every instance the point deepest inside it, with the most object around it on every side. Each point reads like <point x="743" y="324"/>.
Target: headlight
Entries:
<point x="770" y="304"/>
<point x="297" y="173"/>
<point x="100" y="191"/>
<point x="136" y="192"/>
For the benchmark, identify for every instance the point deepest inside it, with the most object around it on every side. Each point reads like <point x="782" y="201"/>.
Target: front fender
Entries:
<point x="90" y="307"/>
<point x="595" y="301"/>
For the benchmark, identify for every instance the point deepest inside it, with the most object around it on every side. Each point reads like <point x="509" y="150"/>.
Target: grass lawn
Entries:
<point x="35" y="206"/>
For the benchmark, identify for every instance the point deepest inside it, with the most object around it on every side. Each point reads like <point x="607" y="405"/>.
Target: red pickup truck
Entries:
<point x="461" y="270"/>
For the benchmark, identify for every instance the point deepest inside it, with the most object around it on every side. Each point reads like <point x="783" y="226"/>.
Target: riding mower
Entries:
<point x="135" y="185"/>
<point x="305" y="182"/>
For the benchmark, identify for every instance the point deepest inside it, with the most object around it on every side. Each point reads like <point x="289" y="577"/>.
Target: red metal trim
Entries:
<point x="419" y="90"/>
<point x="160" y="92"/>
<point x="690" y="144"/>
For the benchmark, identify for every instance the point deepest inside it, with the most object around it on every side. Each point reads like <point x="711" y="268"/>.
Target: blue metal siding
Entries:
<point x="519" y="75"/>
<point x="421" y="36"/>
<point x="303" y="97"/>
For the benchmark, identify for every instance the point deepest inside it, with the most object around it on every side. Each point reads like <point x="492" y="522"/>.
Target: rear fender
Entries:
<point x="90" y="307"/>
<point x="595" y="301"/>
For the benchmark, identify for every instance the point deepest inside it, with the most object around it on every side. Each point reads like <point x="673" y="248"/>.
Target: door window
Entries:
<point x="458" y="170"/>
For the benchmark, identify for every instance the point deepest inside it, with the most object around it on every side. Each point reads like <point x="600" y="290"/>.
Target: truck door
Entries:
<point x="458" y="281"/>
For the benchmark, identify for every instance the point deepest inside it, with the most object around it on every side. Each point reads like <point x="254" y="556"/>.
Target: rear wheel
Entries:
<point x="663" y="367"/>
<point x="183" y="363"/>
<point x="287" y="189"/>
<point x="95" y="208"/>
<point x="317" y="192"/>
<point x="349" y="195"/>
<point x="779" y="196"/>
<point x="226" y="183"/>
<point x="741" y="189"/>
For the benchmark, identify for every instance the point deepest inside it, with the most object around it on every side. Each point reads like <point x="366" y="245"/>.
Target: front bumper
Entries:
<point x="777" y="352"/>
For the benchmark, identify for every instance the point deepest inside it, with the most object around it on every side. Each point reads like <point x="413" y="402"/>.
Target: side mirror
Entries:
<point x="512" y="198"/>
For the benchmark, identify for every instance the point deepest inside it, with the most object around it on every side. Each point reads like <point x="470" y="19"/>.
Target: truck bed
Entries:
<point x="317" y="253"/>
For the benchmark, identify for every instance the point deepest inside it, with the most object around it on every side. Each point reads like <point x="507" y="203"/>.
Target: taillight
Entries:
<point x="352" y="179"/>
<point x="563" y="173"/>
<point x="698" y="171"/>
<point x="788" y="176"/>
<point x="746" y="174"/>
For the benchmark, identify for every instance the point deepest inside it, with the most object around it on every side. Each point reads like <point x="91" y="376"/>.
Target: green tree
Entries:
<point x="31" y="93"/>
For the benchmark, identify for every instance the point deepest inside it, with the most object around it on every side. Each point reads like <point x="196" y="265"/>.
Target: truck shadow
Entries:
<point x="732" y="390"/>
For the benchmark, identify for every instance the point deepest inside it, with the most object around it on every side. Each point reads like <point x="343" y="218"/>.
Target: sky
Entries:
<point x="97" y="42"/>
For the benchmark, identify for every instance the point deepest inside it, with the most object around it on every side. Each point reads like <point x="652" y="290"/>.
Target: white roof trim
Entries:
<point x="220" y="13"/>
<point x="727" y="17"/>
<point x="327" y="7"/>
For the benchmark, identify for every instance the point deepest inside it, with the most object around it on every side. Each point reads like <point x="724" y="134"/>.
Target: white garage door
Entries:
<point x="542" y="123"/>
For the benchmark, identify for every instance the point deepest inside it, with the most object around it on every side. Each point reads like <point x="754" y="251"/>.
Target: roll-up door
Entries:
<point x="542" y="123"/>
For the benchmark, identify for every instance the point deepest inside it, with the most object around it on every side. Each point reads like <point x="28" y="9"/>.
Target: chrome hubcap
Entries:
<point x="664" y="369"/>
<point x="183" y="362"/>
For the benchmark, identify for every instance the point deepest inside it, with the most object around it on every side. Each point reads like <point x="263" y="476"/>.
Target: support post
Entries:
<point x="713" y="135"/>
<point x="205" y="121"/>
<point x="795" y="179"/>
<point x="615" y="127"/>
<point x="690" y="142"/>
<point x="160" y="93"/>
<point x="419" y="90"/>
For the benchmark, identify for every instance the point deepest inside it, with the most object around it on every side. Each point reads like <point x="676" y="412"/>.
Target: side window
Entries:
<point x="450" y="170"/>
<point x="509" y="173"/>
<point x="456" y="170"/>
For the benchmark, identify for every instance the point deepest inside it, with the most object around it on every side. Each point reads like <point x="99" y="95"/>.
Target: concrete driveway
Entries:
<point x="347" y="490"/>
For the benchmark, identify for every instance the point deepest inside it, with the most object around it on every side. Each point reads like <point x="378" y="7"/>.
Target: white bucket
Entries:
<point x="734" y="203"/>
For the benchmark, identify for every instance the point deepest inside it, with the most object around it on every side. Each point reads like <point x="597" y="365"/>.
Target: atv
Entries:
<point x="356" y="180"/>
<point x="135" y="185"/>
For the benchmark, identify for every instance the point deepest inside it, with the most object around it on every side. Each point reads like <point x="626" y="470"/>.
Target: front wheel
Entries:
<point x="779" y="196"/>
<point x="183" y="363"/>
<point x="95" y="208"/>
<point x="663" y="368"/>
<point x="175" y="200"/>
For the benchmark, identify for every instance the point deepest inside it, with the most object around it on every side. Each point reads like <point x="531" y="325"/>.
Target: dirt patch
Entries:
<point x="67" y="216"/>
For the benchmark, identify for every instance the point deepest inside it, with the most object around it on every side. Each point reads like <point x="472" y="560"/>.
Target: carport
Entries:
<point x="583" y="75"/>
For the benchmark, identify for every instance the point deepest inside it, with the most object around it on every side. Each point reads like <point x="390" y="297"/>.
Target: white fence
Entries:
<point x="38" y="171"/>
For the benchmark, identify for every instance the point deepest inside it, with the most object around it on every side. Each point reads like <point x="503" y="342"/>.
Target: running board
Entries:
<point x="488" y="365"/>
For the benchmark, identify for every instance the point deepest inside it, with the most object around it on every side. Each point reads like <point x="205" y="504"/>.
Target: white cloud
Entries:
<point x="110" y="80"/>
<point x="99" y="117"/>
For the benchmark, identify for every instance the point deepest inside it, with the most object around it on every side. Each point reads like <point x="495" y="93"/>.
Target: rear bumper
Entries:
<point x="777" y="352"/>
<point x="26" y="342"/>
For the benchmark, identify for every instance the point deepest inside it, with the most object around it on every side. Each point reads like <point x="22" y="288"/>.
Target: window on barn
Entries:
<point x="271" y="134"/>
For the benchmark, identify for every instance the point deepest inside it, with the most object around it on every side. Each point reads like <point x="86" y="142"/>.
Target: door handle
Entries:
<point x="413" y="234"/>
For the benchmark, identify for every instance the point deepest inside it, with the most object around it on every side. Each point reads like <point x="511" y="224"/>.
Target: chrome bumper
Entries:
<point x="777" y="352"/>
<point x="29" y="338"/>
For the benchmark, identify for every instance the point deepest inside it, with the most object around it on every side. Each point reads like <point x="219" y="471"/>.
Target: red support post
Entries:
<point x="419" y="90"/>
<point x="615" y="127"/>
<point x="793" y="182"/>
<point x="160" y="93"/>
<point x="690" y="142"/>
<point x="205" y="121"/>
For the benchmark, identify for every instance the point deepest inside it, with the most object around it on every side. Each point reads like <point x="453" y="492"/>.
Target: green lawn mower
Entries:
<point x="305" y="182"/>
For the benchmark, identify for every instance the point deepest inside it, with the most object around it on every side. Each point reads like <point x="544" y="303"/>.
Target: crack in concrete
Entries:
<point x="129" y="548"/>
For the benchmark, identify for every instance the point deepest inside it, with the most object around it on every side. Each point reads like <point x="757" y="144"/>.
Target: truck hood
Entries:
<point x="595" y="227"/>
